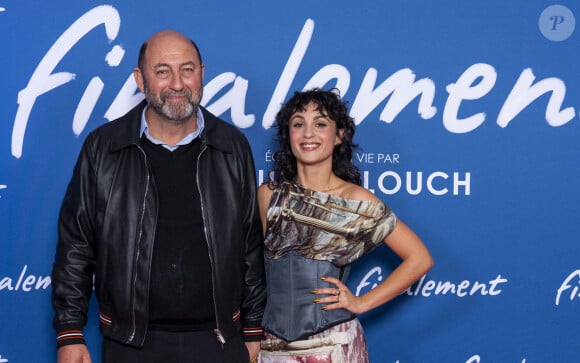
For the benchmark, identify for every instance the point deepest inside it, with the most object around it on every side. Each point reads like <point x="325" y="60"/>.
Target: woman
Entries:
<point x="317" y="219"/>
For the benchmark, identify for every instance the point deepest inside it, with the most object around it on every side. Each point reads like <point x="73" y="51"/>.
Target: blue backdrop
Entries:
<point x="467" y="115"/>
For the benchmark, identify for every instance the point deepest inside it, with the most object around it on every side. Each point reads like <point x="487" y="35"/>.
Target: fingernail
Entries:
<point x="324" y="307"/>
<point x="323" y="278"/>
<point x="314" y="291"/>
<point x="316" y="300"/>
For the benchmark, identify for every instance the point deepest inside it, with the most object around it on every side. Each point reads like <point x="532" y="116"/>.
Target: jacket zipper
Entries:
<point x="133" y="323"/>
<point x="217" y="330"/>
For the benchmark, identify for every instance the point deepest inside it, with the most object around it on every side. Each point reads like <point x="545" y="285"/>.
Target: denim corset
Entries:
<point x="290" y="312"/>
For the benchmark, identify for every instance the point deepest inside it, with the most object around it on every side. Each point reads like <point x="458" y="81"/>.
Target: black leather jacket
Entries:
<point x="107" y="228"/>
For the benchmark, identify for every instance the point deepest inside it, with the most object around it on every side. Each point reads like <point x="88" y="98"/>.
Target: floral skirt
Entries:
<point x="342" y="343"/>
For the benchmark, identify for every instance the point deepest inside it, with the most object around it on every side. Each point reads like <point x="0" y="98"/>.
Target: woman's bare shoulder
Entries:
<point x="356" y="192"/>
<point x="266" y="188"/>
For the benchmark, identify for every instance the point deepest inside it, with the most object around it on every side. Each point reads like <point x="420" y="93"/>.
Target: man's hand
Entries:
<point x="74" y="353"/>
<point x="254" y="349"/>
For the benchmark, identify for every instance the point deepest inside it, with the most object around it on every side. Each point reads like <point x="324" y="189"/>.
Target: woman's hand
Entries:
<point x="338" y="298"/>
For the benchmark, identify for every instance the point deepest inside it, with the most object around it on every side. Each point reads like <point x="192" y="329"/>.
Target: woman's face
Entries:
<point x="313" y="136"/>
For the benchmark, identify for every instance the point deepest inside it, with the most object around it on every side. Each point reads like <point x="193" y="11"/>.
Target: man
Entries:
<point x="161" y="210"/>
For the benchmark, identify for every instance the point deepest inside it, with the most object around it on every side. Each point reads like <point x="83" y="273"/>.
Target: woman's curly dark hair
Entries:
<point x="329" y="103"/>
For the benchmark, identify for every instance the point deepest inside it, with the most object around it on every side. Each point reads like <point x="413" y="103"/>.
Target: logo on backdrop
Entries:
<point x="477" y="359"/>
<point x="398" y="90"/>
<point x="43" y="80"/>
<point x="570" y="288"/>
<point x="390" y="182"/>
<point x="417" y="182"/>
<point x="472" y="359"/>
<point x="24" y="282"/>
<point x="557" y="23"/>
<point x="427" y="287"/>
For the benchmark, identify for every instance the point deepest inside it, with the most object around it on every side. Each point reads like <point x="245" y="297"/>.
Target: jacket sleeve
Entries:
<point x="73" y="268"/>
<point x="254" y="298"/>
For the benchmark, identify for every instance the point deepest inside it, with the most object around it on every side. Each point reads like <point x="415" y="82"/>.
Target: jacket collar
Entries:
<point x="128" y="129"/>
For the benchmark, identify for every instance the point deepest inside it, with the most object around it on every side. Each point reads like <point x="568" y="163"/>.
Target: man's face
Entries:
<point x="172" y="77"/>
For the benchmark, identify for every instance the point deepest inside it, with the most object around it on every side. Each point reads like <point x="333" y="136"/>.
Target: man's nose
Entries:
<point x="176" y="82"/>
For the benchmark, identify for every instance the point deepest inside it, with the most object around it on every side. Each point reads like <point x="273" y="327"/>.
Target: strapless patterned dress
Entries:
<point x="307" y="228"/>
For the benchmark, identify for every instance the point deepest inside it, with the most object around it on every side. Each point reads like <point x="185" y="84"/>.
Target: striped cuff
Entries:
<point x="253" y="334"/>
<point x="105" y="319"/>
<point x="68" y="337"/>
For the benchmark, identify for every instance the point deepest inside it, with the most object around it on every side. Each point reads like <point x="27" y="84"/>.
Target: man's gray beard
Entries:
<point x="177" y="112"/>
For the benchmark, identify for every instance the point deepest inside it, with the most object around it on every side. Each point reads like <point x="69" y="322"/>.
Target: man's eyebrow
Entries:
<point x="159" y="65"/>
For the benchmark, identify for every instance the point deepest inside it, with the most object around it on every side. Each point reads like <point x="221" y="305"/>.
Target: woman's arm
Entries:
<point x="264" y="195"/>
<point x="416" y="261"/>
